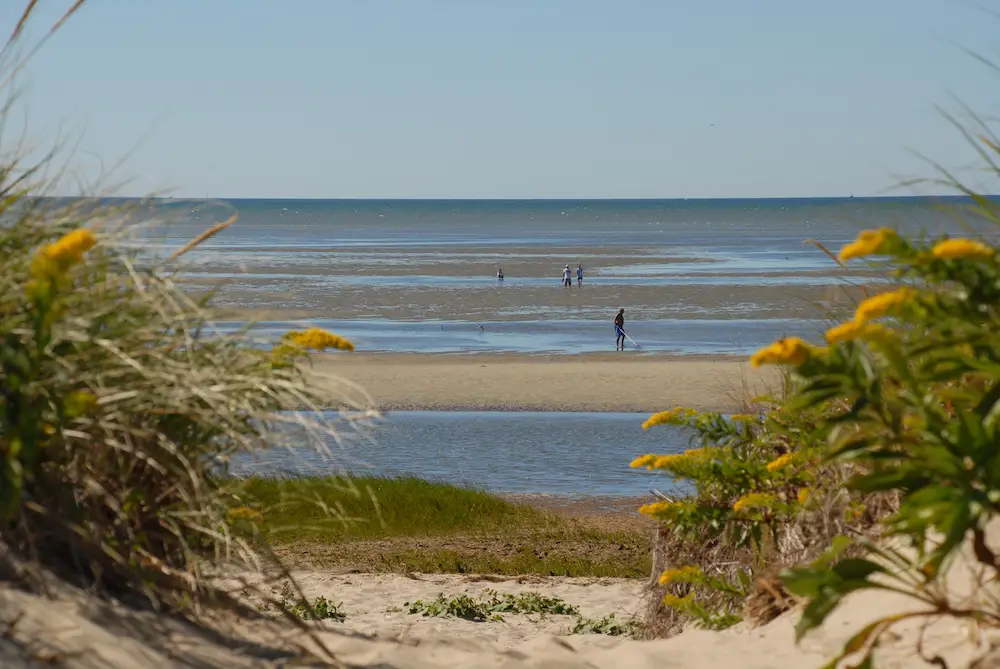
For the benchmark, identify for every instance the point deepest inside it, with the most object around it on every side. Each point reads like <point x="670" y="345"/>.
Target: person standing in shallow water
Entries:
<point x="500" y="275"/>
<point x="567" y="281"/>
<point x="579" y="275"/>
<point x="620" y="330"/>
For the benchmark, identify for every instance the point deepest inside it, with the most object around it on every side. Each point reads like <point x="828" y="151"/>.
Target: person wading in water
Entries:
<point x="620" y="330"/>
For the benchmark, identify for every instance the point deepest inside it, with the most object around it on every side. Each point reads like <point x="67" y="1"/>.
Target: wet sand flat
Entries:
<point x="624" y="382"/>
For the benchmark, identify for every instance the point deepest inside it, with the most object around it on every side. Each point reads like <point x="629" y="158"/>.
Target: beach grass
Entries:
<point x="407" y="524"/>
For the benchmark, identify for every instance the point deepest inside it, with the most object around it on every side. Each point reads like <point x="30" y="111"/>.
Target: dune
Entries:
<point x="77" y="630"/>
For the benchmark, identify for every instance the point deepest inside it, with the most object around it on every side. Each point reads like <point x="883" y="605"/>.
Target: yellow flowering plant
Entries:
<point x="909" y="398"/>
<point x="120" y="408"/>
<point x="744" y="495"/>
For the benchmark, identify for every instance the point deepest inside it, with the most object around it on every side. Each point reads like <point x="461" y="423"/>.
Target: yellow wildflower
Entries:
<point x="682" y="574"/>
<point x="743" y="418"/>
<point x="779" y="462"/>
<point x="658" y="508"/>
<point x="70" y="248"/>
<point x="664" y="417"/>
<point x="869" y="242"/>
<point x="674" y="601"/>
<point x="654" y="508"/>
<point x="882" y="304"/>
<point x="318" y="340"/>
<point x="852" y="330"/>
<point x="644" y="461"/>
<point x="753" y="499"/>
<point x="244" y="512"/>
<point x="803" y="495"/>
<point x="52" y="260"/>
<point x="963" y="249"/>
<point x="664" y="461"/>
<point x="791" y="351"/>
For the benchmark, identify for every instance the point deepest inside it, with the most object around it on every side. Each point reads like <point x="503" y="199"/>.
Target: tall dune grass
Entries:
<point x="120" y="406"/>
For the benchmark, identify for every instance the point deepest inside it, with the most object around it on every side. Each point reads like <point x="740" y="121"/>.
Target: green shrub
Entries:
<point x="762" y="497"/>
<point x="915" y="377"/>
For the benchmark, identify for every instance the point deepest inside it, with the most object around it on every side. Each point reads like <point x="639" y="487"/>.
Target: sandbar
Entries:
<point x="621" y="382"/>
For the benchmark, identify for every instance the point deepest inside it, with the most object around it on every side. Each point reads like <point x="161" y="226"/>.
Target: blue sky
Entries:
<point x="511" y="98"/>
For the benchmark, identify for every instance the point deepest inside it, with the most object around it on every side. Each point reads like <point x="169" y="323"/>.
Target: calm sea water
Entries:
<point x="696" y="276"/>
<point x="754" y="234"/>
<point x="516" y="452"/>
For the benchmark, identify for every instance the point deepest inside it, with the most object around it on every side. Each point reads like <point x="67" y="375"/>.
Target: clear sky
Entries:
<point x="509" y="98"/>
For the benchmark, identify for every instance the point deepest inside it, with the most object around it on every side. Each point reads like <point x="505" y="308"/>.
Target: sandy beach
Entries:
<point x="623" y="382"/>
<point x="86" y="633"/>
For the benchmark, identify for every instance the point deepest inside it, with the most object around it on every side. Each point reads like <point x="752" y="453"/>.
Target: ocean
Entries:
<point x="695" y="277"/>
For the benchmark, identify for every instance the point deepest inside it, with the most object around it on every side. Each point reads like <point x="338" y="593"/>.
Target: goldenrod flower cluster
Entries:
<point x="753" y="499"/>
<point x="787" y="351"/>
<point x="963" y="249"/>
<point x="652" y="461"/>
<point x="882" y="304"/>
<point x="870" y="309"/>
<point x="644" y="461"/>
<point x="869" y="242"/>
<point x="682" y="574"/>
<point x="60" y="255"/>
<point x="318" y="339"/>
<point x="665" y="417"/>
<point x="657" y="508"/>
<point x="780" y="462"/>
<point x="803" y="495"/>
<point x="852" y="330"/>
<point x="71" y="247"/>
<point x="674" y="601"/>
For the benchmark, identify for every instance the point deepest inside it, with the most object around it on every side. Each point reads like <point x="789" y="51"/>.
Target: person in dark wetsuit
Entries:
<point x="500" y="275"/>
<point x="620" y="330"/>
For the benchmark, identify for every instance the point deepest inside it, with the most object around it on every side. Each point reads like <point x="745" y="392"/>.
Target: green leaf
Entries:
<point x="851" y="569"/>
<point x="816" y="612"/>
<point x="893" y="479"/>
<point x="805" y="582"/>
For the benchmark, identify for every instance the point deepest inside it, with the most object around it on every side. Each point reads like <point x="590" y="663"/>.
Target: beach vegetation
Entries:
<point x="121" y="405"/>
<point x="877" y="469"/>
<point x="762" y="495"/>
<point x="406" y="524"/>
<point x="608" y="625"/>
<point x="287" y="601"/>
<point x="491" y="606"/>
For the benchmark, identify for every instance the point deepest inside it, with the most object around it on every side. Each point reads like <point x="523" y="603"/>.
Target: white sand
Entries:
<point x="374" y="602"/>
<point x="99" y="635"/>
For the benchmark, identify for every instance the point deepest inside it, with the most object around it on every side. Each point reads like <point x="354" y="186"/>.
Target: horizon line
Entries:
<point x="525" y="199"/>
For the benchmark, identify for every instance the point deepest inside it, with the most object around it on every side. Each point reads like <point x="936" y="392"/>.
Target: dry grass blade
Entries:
<point x="23" y="21"/>
<point x="830" y="254"/>
<point x="208" y="234"/>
